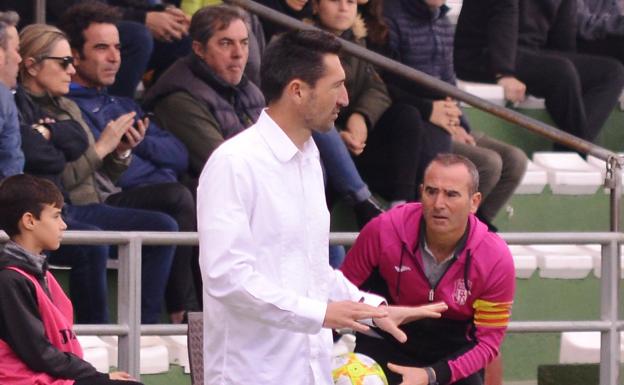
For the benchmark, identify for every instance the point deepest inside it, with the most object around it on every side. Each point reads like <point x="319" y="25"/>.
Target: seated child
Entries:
<point x="37" y="344"/>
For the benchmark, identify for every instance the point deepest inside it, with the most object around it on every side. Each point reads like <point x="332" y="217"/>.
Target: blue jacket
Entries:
<point x="159" y="158"/>
<point x="11" y="155"/>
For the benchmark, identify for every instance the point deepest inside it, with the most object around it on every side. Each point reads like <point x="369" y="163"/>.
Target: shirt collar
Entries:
<point x="280" y="144"/>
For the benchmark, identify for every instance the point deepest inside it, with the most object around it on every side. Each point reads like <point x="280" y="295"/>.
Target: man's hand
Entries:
<point x="355" y="133"/>
<point x="411" y="375"/>
<point x="166" y="26"/>
<point x="514" y="89"/>
<point x="398" y="315"/>
<point x="462" y="136"/>
<point x="445" y="114"/>
<point x="122" y="376"/>
<point x="110" y="137"/>
<point x="133" y="136"/>
<point x="346" y="314"/>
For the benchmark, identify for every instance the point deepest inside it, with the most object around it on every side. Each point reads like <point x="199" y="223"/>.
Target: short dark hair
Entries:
<point x="295" y="55"/>
<point x="21" y="194"/>
<point x="447" y="159"/>
<point x="208" y="20"/>
<point x="7" y="19"/>
<point x="80" y="16"/>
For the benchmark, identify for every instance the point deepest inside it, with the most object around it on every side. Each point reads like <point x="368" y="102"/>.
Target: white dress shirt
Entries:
<point x="264" y="234"/>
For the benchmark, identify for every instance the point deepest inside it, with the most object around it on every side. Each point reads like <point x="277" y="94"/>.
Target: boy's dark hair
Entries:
<point x="295" y="55"/>
<point x="80" y="16"/>
<point x="21" y="194"/>
<point x="210" y="19"/>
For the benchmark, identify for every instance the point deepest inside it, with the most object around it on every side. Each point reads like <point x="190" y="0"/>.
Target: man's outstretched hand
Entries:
<point x="398" y="315"/>
<point x="346" y="314"/>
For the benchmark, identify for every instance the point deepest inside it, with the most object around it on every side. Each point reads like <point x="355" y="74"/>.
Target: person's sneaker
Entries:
<point x="367" y="210"/>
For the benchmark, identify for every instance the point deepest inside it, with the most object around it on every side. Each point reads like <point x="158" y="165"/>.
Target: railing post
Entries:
<point x="40" y="11"/>
<point x="129" y="306"/>
<point x="609" y="293"/>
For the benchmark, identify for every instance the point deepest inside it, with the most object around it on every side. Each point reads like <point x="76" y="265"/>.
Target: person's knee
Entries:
<point x="490" y="166"/>
<point x="157" y="221"/>
<point x="514" y="162"/>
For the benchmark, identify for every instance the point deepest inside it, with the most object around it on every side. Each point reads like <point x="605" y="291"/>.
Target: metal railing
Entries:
<point x="129" y="328"/>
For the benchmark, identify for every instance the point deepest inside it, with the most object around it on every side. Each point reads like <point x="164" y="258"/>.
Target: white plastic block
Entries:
<point x="490" y="92"/>
<point x="525" y="261"/>
<point x="98" y="357"/>
<point x="564" y="266"/>
<point x="111" y="345"/>
<point x="154" y="354"/>
<point x="582" y="347"/>
<point x="568" y="173"/>
<point x="534" y="180"/>
<point x="178" y="350"/>
<point x="532" y="103"/>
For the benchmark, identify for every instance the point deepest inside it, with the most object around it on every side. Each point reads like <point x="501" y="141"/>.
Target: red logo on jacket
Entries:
<point x="460" y="293"/>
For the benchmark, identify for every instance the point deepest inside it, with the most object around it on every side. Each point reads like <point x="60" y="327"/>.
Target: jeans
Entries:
<point x="342" y="175"/>
<point x="156" y="260"/>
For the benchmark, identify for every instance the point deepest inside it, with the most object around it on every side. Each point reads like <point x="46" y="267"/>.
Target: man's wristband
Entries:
<point x="431" y="375"/>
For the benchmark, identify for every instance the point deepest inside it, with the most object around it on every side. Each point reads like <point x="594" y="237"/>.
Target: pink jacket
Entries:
<point x="389" y="246"/>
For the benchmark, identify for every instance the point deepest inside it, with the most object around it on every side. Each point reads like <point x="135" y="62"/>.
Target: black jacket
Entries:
<point x="21" y="326"/>
<point x="47" y="158"/>
<point x="548" y="24"/>
<point x="486" y="39"/>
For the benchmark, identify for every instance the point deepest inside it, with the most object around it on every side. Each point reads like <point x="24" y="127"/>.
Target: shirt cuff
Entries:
<point x="312" y="312"/>
<point x="373" y="300"/>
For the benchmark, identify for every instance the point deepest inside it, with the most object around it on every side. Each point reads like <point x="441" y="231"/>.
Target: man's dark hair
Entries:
<point x="7" y="19"/>
<point x="80" y="16"/>
<point x="21" y="194"/>
<point x="208" y="20"/>
<point x="295" y="55"/>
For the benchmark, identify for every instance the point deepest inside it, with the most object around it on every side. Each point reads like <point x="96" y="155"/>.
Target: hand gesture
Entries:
<point x="355" y="133"/>
<point x="462" y="136"/>
<point x="445" y="114"/>
<point x="113" y="132"/>
<point x="168" y="25"/>
<point x="133" y="136"/>
<point x="398" y="315"/>
<point x="411" y="375"/>
<point x="346" y="314"/>
<point x="514" y="89"/>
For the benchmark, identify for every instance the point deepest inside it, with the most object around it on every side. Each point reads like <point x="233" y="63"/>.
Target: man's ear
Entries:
<point x="475" y="201"/>
<point x="296" y="90"/>
<point x="198" y="48"/>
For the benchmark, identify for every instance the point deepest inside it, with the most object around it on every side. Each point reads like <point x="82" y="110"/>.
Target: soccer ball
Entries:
<point x="357" y="369"/>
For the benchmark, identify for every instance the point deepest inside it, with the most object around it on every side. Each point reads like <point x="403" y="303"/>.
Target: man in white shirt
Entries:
<point x="270" y="297"/>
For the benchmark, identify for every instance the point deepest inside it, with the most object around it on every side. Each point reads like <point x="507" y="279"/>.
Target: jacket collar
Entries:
<point x="15" y="255"/>
<point x="200" y="69"/>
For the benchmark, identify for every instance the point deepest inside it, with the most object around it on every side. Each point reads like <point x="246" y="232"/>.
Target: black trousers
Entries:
<point x="580" y="90"/>
<point x="397" y="150"/>
<point x="612" y="46"/>
<point x="177" y="201"/>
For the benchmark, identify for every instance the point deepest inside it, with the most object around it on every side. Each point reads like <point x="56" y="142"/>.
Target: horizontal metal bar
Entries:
<point x="438" y="85"/>
<point x="560" y="326"/>
<point x="102" y="330"/>
<point x="164" y="330"/>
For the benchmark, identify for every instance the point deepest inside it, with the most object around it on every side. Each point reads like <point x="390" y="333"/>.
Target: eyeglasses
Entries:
<point x="64" y="61"/>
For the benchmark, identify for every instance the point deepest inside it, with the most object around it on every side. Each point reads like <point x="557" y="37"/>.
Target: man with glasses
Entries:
<point x="11" y="156"/>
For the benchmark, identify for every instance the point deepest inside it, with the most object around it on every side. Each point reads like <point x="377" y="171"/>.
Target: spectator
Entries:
<point x="432" y="251"/>
<point x="45" y="74"/>
<point x="11" y="155"/>
<point x="386" y="139"/>
<point x="600" y="28"/>
<point x="533" y="44"/>
<point x="218" y="102"/>
<point x="421" y="36"/>
<point x="37" y="344"/>
<point x="299" y="9"/>
<point x="158" y="159"/>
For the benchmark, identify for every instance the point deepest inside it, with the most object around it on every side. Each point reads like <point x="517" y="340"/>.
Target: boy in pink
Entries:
<point x="37" y="344"/>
